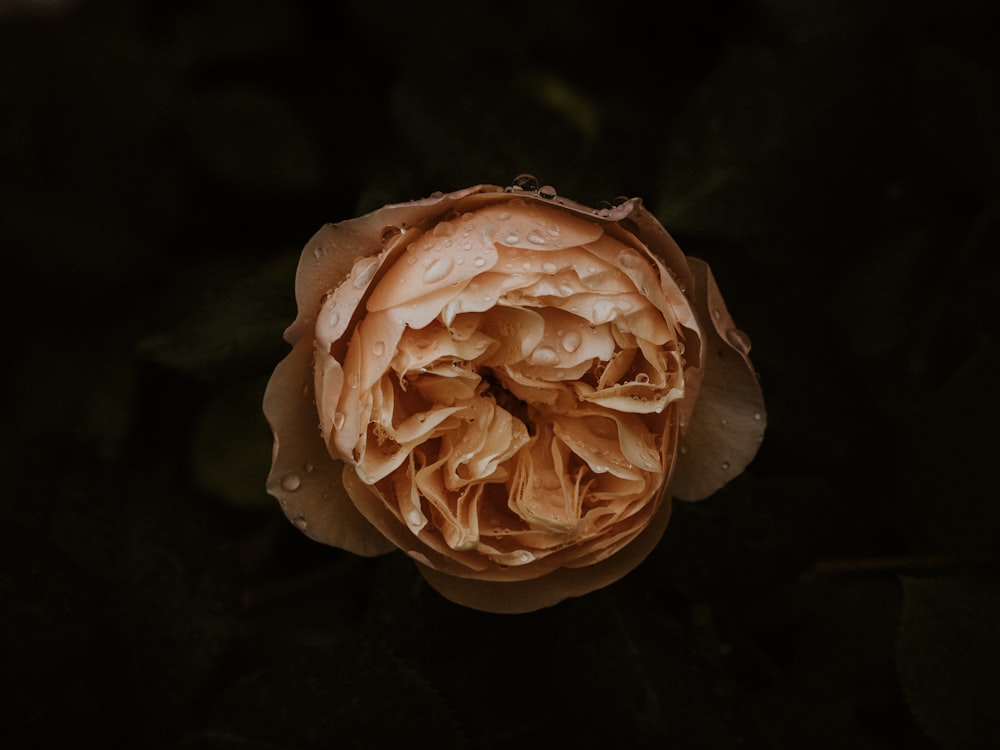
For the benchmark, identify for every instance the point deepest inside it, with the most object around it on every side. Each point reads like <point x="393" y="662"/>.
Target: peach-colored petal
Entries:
<point x="303" y="477"/>
<point x="514" y="597"/>
<point x="728" y="422"/>
<point x="330" y="254"/>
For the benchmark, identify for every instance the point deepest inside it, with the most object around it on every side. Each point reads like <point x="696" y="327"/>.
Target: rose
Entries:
<point x="508" y="386"/>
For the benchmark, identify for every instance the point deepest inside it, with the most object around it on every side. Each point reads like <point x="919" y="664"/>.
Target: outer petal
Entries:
<point x="304" y="478"/>
<point x="526" y="596"/>
<point x="728" y="422"/>
<point x="331" y="252"/>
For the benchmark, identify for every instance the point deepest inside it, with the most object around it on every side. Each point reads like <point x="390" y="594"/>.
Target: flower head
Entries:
<point x="509" y="387"/>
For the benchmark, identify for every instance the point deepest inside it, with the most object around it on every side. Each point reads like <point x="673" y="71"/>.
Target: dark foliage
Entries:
<point x="161" y="164"/>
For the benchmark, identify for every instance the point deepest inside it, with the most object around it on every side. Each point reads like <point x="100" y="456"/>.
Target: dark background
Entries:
<point x="161" y="165"/>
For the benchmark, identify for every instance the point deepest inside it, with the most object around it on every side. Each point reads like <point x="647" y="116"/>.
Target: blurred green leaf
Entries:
<point x="234" y="29"/>
<point x="769" y="137"/>
<point x="959" y="107"/>
<point x="88" y="397"/>
<point x="231" y="447"/>
<point x="234" y="323"/>
<point x="355" y="696"/>
<point x="821" y="21"/>
<point x="948" y="658"/>
<point x="254" y="140"/>
<point x="947" y="457"/>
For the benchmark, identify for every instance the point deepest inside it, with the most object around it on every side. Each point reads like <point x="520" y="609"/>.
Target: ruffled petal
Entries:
<point x="514" y="597"/>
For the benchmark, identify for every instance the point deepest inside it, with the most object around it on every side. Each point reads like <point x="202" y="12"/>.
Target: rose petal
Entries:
<point x="303" y="477"/>
<point x="727" y="425"/>
<point x="331" y="252"/>
<point x="514" y="597"/>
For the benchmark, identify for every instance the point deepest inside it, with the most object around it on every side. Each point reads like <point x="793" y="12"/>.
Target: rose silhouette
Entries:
<point x="508" y="386"/>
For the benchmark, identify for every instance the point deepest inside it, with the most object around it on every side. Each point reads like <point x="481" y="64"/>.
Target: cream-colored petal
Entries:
<point x="447" y="385"/>
<point x="455" y="511"/>
<point x="419" y="350"/>
<point x="374" y="464"/>
<point x="389" y="520"/>
<point x="539" y="226"/>
<point x="527" y="385"/>
<point x="516" y="329"/>
<point x="501" y="436"/>
<point x="431" y="264"/>
<point x="599" y="448"/>
<point x="542" y="494"/>
<point x="728" y="422"/>
<point x="331" y="252"/>
<point x="514" y="597"/>
<point x="303" y="477"/>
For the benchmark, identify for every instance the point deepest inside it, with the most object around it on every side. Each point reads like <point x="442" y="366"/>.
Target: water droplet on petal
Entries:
<point x="354" y="381"/>
<point x="438" y="269"/>
<point x="716" y="313"/>
<point x="619" y="200"/>
<point x="479" y="262"/>
<point x="338" y="420"/>
<point x="547" y="191"/>
<point x="291" y="482"/>
<point x="603" y="310"/>
<point x="414" y="518"/>
<point x="641" y="378"/>
<point x="333" y="319"/>
<point x="525" y="557"/>
<point x="536" y="238"/>
<point x="300" y="523"/>
<point x="363" y="271"/>
<point x="738" y="340"/>
<point x="549" y="267"/>
<point x="756" y="416"/>
<point x="571" y="341"/>
<point x="544" y="355"/>
<point x="628" y="259"/>
<point x="510" y="239"/>
<point x="379" y="348"/>
<point x="444" y="229"/>
<point x="525" y="181"/>
<point x="389" y="233"/>
<point x="725" y="466"/>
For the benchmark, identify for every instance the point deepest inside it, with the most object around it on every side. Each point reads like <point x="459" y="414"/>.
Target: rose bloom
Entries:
<point x="508" y="386"/>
